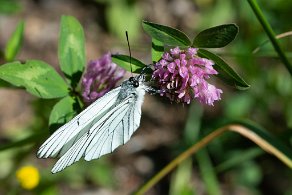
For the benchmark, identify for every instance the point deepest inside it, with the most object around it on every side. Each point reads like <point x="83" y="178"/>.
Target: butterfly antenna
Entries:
<point x="129" y="52"/>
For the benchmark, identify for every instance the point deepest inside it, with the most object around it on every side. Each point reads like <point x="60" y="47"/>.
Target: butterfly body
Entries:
<point x="99" y="129"/>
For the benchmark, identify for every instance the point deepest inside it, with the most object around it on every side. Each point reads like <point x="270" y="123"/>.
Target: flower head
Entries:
<point x="101" y="76"/>
<point x="28" y="177"/>
<point x="182" y="76"/>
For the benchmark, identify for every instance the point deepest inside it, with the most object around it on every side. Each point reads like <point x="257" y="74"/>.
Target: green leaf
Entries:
<point x="14" y="43"/>
<point x="218" y="36"/>
<point x="101" y="172"/>
<point x="225" y="72"/>
<point x="166" y="34"/>
<point x="37" y="77"/>
<point x="71" y="50"/>
<point x="62" y="112"/>
<point x="157" y="50"/>
<point x="120" y="11"/>
<point x="5" y="84"/>
<point x="124" y="62"/>
<point x="9" y="7"/>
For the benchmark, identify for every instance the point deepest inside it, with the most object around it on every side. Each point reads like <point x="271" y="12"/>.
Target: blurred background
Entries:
<point x="230" y="163"/>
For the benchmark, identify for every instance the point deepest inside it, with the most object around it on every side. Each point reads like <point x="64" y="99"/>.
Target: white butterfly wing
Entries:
<point x="116" y="130"/>
<point x="63" y="138"/>
<point x="102" y="134"/>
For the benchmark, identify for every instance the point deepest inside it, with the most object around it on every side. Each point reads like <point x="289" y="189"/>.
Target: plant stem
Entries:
<point x="267" y="28"/>
<point x="265" y="141"/>
<point x="178" y="160"/>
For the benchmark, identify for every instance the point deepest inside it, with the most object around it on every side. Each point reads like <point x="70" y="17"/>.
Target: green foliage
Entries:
<point x="270" y="33"/>
<point x="181" y="179"/>
<point x="271" y="140"/>
<point x="128" y="63"/>
<point x="237" y="157"/>
<point x="40" y="79"/>
<point x="102" y="173"/>
<point x="238" y="105"/>
<point x="122" y="16"/>
<point x="62" y="112"/>
<point x="248" y="174"/>
<point x="165" y="34"/>
<point x="207" y="171"/>
<point x="9" y="7"/>
<point x="226" y="73"/>
<point x="21" y="143"/>
<point x="215" y="37"/>
<point x="37" y="77"/>
<point x="233" y="156"/>
<point x="192" y="135"/>
<point x="157" y="50"/>
<point x="71" y="50"/>
<point x="219" y="36"/>
<point x="14" y="43"/>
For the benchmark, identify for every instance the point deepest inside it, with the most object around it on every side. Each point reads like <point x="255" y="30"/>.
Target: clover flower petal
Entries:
<point x="182" y="76"/>
<point x="101" y="76"/>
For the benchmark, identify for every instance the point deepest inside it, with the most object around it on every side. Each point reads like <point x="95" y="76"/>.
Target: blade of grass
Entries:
<point x="202" y="143"/>
<point x="180" y="179"/>
<point x="279" y="36"/>
<point x="208" y="172"/>
<point x="267" y="28"/>
<point x="191" y="135"/>
<point x="253" y="133"/>
<point x="235" y="161"/>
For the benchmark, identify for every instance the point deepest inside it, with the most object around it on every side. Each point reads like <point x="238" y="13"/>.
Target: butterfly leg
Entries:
<point x="153" y="91"/>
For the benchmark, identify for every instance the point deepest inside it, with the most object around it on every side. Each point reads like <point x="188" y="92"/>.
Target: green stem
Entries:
<point x="256" y="9"/>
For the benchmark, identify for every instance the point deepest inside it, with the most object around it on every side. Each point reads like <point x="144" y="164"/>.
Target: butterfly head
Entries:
<point x="134" y="81"/>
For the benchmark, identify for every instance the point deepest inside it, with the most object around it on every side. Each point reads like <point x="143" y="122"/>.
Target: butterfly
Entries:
<point x="99" y="129"/>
